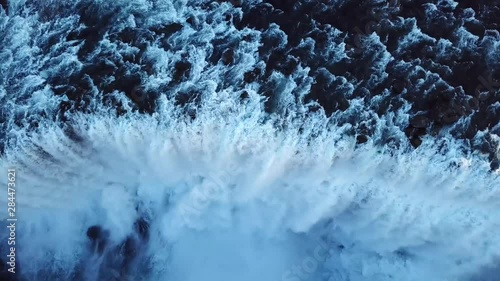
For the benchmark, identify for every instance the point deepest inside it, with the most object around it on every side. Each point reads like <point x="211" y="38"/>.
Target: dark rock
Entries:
<point x="449" y="117"/>
<point x="274" y="59"/>
<point x="415" y="142"/>
<point x="289" y="66"/>
<point x="398" y="86"/>
<point x="403" y="253"/>
<point x="94" y="232"/>
<point x="167" y="30"/>
<point x="128" y="250"/>
<point x="328" y="92"/>
<point x="182" y="70"/>
<point x="5" y="5"/>
<point x="259" y="17"/>
<point x="361" y="139"/>
<point x="72" y="134"/>
<point x="192" y="21"/>
<point x="131" y="248"/>
<point x="244" y="95"/>
<point x="236" y="3"/>
<point x="473" y="103"/>
<point x="134" y="36"/>
<point x="190" y="97"/>
<point x="251" y="76"/>
<point x="419" y="121"/>
<point x="142" y="228"/>
<point x="415" y="132"/>
<point x="228" y="57"/>
<point x="474" y="4"/>
<point x="64" y="107"/>
<point x="98" y="237"/>
<point x="475" y="28"/>
<point x="495" y="164"/>
<point x="285" y="5"/>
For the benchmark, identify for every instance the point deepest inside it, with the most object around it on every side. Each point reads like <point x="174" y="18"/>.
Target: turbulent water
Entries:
<point x="251" y="140"/>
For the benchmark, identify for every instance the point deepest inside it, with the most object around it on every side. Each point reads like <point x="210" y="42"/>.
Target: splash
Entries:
<point x="233" y="195"/>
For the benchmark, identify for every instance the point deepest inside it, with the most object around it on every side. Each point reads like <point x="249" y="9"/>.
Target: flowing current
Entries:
<point x="247" y="140"/>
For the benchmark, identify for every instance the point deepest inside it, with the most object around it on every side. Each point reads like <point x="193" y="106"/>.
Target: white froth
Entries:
<point x="232" y="196"/>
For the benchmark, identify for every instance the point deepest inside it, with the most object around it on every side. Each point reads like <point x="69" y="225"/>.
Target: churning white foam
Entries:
<point x="236" y="195"/>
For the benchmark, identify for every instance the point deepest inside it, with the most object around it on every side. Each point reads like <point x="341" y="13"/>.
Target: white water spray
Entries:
<point x="232" y="197"/>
